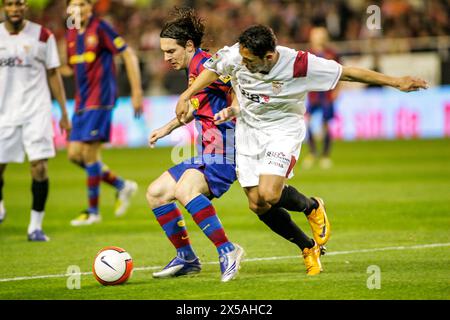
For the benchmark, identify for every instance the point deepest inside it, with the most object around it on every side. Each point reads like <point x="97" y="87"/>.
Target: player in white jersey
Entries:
<point x="28" y="65"/>
<point x="271" y="83"/>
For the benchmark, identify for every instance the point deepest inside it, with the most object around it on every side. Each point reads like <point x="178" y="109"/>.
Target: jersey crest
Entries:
<point x="277" y="86"/>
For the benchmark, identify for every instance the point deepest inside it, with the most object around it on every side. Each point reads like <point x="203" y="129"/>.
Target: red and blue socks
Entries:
<point x="205" y="217"/>
<point x="110" y="178"/>
<point x="94" y="172"/>
<point x="173" y="224"/>
<point x="107" y="176"/>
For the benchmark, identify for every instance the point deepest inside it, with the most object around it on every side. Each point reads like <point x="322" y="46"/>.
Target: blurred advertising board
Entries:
<point x="360" y="114"/>
<point x="391" y="114"/>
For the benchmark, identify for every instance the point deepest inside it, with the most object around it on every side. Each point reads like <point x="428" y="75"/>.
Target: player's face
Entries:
<point x="319" y="36"/>
<point x="15" y="11"/>
<point x="176" y="55"/>
<point x="253" y="63"/>
<point x="82" y="8"/>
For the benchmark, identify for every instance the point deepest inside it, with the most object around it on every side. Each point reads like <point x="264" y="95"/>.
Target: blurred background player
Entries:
<point x="271" y="82"/>
<point x="322" y="102"/>
<point x="195" y="181"/>
<point x="28" y="65"/>
<point x="91" y="50"/>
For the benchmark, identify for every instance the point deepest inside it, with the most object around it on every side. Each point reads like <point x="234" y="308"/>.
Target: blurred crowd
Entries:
<point x="140" y="22"/>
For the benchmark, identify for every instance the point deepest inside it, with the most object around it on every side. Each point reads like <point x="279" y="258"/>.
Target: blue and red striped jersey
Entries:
<point x="91" y="54"/>
<point x="323" y="98"/>
<point x="215" y="139"/>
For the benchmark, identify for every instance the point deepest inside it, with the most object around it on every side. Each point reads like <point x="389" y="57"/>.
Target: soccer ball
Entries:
<point x="112" y="265"/>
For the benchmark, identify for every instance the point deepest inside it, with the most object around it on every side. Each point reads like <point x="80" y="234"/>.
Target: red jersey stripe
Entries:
<point x="301" y="65"/>
<point x="44" y="35"/>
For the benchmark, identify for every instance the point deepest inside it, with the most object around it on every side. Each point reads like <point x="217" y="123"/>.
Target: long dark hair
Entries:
<point x="184" y="26"/>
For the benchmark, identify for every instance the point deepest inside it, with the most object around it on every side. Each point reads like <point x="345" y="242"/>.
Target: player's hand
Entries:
<point x="65" y="125"/>
<point x="182" y="109"/>
<point x="136" y="100"/>
<point x="155" y="136"/>
<point x="225" y="115"/>
<point x="408" y="84"/>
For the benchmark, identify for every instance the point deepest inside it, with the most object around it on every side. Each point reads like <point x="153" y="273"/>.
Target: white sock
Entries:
<point x="2" y="209"/>
<point x="35" y="221"/>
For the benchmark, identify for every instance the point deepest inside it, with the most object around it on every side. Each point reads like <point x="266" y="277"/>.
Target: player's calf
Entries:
<point x="40" y="193"/>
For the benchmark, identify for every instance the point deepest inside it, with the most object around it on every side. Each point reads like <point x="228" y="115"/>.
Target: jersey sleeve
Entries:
<point x="321" y="74"/>
<point x="224" y="61"/>
<point x="51" y="55"/>
<point x="222" y="81"/>
<point x="110" y="40"/>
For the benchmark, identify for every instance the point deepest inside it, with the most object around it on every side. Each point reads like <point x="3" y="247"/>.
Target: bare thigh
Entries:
<point x="191" y="184"/>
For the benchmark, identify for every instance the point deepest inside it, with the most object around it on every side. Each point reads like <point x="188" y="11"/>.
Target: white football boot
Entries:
<point x="230" y="263"/>
<point x="124" y="196"/>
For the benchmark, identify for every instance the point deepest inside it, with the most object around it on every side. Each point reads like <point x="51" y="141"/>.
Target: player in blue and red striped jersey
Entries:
<point x="321" y="102"/>
<point x="91" y="47"/>
<point x="195" y="181"/>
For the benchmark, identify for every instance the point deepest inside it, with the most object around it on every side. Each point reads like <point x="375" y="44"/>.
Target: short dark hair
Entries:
<point x="259" y="39"/>
<point x="184" y="26"/>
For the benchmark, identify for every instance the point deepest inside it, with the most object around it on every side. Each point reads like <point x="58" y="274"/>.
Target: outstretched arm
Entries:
<point x="134" y="77"/>
<point x="405" y="84"/>
<point x="205" y="78"/>
<point x="168" y="128"/>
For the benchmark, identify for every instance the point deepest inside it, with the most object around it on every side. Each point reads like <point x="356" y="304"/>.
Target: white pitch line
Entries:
<point x="335" y="253"/>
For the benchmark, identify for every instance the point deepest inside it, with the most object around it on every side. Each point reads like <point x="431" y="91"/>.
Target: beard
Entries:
<point x="16" y="24"/>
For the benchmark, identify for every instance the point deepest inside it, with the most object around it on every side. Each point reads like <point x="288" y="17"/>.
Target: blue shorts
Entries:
<point x="327" y="111"/>
<point x="218" y="174"/>
<point x="92" y="125"/>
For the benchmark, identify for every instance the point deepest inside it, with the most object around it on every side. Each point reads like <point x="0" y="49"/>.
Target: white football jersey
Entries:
<point x="279" y="95"/>
<point x="274" y="103"/>
<point x="24" y="60"/>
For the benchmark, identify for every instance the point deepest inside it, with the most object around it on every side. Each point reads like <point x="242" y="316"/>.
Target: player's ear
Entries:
<point x="270" y="56"/>
<point x="190" y="47"/>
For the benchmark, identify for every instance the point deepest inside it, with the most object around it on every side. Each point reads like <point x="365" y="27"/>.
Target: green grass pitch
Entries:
<point x="385" y="201"/>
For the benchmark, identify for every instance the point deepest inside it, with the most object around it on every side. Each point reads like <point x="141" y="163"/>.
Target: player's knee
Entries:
<point x="254" y="207"/>
<point x="39" y="170"/>
<point x="270" y="196"/>
<point x="258" y="208"/>
<point x="154" y="195"/>
<point x="75" y="157"/>
<point x="183" y="193"/>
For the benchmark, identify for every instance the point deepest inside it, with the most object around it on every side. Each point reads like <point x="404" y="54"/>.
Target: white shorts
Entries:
<point x="35" y="138"/>
<point x="278" y="158"/>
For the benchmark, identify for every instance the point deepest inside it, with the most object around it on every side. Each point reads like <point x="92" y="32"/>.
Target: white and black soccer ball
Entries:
<point x="112" y="265"/>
